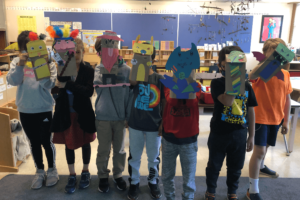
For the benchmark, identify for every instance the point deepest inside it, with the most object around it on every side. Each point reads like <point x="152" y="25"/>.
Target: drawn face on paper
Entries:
<point x="236" y="57"/>
<point x="36" y="48"/>
<point x="286" y="55"/>
<point x="109" y="53"/>
<point x="144" y="49"/>
<point x="182" y="63"/>
<point x="65" y="45"/>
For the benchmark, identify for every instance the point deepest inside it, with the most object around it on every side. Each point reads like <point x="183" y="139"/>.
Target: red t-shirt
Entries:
<point x="182" y="120"/>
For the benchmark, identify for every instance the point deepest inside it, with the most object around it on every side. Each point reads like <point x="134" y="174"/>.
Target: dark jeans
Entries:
<point x="37" y="129"/>
<point x="86" y="154"/>
<point x="233" y="146"/>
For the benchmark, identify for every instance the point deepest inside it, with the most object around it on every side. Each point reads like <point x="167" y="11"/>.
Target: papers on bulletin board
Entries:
<point x="90" y="37"/>
<point x="77" y="25"/>
<point x="27" y="23"/>
<point x="60" y="23"/>
<point x="1" y="96"/>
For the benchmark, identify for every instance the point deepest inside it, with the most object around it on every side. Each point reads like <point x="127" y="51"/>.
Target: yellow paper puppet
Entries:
<point x="38" y="56"/>
<point x="141" y="61"/>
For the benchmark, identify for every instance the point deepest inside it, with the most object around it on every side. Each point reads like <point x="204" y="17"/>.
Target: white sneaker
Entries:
<point x="38" y="180"/>
<point x="52" y="177"/>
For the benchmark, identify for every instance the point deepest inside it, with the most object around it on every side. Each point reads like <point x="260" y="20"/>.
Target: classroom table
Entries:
<point x="294" y="107"/>
<point x="6" y="58"/>
<point x="295" y="82"/>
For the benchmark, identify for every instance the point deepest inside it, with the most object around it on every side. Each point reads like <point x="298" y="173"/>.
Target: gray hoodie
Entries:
<point x="32" y="96"/>
<point x="113" y="103"/>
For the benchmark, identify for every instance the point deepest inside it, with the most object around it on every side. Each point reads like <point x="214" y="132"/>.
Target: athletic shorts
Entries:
<point x="265" y="134"/>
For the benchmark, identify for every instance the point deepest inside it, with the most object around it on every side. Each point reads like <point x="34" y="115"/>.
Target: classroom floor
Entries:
<point x="276" y="159"/>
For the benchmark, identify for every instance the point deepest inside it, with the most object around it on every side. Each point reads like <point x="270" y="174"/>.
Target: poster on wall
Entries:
<point x="26" y="23"/>
<point x="271" y="27"/>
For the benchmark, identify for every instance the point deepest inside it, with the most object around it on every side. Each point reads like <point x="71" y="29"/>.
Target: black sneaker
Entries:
<point x="253" y="196"/>
<point x="209" y="196"/>
<point x="232" y="197"/>
<point x="154" y="190"/>
<point x="268" y="172"/>
<point x="85" y="180"/>
<point x="134" y="191"/>
<point x="103" y="185"/>
<point x="121" y="184"/>
<point x="71" y="186"/>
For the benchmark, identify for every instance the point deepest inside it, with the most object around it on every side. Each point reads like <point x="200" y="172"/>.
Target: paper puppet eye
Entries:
<point x="179" y="54"/>
<point x="32" y="48"/>
<point x="282" y="50"/>
<point x="58" y="42"/>
<point x="148" y="49"/>
<point x="191" y="53"/>
<point x="67" y="42"/>
<point x="106" y="41"/>
<point x="137" y="47"/>
<point x="240" y="56"/>
<point x="40" y="47"/>
<point x="288" y="55"/>
<point x="113" y="42"/>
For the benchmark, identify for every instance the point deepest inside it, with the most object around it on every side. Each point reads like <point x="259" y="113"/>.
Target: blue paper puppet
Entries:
<point x="183" y="64"/>
<point x="272" y="65"/>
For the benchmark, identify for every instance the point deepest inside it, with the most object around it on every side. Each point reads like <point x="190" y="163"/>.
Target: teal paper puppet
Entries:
<point x="273" y="64"/>
<point x="235" y="73"/>
<point x="183" y="65"/>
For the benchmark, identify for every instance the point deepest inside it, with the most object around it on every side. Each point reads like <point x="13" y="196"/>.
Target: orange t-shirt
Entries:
<point x="271" y="98"/>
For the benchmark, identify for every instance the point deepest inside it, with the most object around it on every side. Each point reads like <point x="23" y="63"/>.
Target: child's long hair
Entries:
<point x="271" y="44"/>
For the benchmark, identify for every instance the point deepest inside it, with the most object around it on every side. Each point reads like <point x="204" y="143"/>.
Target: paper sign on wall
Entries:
<point x="140" y="67"/>
<point x="27" y="23"/>
<point x="77" y="25"/>
<point x="2" y="88"/>
<point x="272" y="65"/>
<point x="182" y="84"/>
<point x="235" y="73"/>
<point x="38" y="55"/>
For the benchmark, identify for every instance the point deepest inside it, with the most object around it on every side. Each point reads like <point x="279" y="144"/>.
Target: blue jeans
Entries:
<point x="137" y="140"/>
<point x="188" y="159"/>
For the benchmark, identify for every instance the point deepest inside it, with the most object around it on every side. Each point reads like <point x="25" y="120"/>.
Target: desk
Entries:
<point x="295" y="82"/>
<point x="294" y="105"/>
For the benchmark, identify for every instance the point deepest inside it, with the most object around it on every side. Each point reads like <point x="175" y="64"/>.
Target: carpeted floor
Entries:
<point x="18" y="187"/>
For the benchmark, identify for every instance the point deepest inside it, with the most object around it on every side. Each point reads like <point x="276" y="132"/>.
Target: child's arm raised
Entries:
<point x="287" y="109"/>
<point x="226" y="100"/>
<point x="251" y="129"/>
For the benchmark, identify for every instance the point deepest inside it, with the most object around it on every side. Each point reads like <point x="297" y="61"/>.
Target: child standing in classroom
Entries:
<point x="274" y="104"/>
<point x="74" y="107"/>
<point x="112" y="109"/>
<point x="35" y="104"/>
<point x="180" y="132"/>
<point x="228" y="135"/>
<point x="145" y="126"/>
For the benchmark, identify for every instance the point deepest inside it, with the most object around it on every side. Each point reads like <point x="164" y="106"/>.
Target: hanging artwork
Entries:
<point x="38" y="56"/>
<point x="183" y="65"/>
<point x="141" y="61"/>
<point x="271" y="27"/>
<point x="64" y="46"/>
<point x="273" y="64"/>
<point x="235" y="73"/>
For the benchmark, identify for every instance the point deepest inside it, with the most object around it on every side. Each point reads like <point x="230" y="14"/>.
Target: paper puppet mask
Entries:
<point x="38" y="55"/>
<point x="65" y="47"/>
<point x="273" y="64"/>
<point x="140" y="67"/>
<point x="144" y="49"/>
<point x="235" y="73"/>
<point x="183" y="65"/>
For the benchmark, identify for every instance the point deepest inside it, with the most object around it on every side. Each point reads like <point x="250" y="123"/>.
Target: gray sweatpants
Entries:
<point x="188" y="160"/>
<point x="110" y="133"/>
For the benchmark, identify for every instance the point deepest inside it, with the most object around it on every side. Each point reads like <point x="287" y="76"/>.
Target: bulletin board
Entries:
<point x="213" y="30"/>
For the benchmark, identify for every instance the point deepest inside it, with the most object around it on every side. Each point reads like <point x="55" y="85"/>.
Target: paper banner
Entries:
<point x="183" y="84"/>
<point x="38" y="55"/>
<point x="140" y="67"/>
<point x="273" y="64"/>
<point x="27" y="23"/>
<point x="235" y="73"/>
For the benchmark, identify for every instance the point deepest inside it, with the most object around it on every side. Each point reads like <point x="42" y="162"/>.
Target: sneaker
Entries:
<point x="154" y="190"/>
<point x="121" y="184"/>
<point x="38" y="180"/>
<point x="71" y="186"/>
<point x="103" y="185"/>
<point x="209" y="196"/>
<point x="52" y="177"/>
<point x="85" y="180"/>
<point x="134" y="191"/>
<point x="268" y="172"/>
<point x="232" y="197"/>
<point x="253" y="196"/>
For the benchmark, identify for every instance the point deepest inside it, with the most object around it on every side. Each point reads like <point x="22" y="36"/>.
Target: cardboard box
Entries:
<point x="11" y="92"/>
<point x="3" y="90"/>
